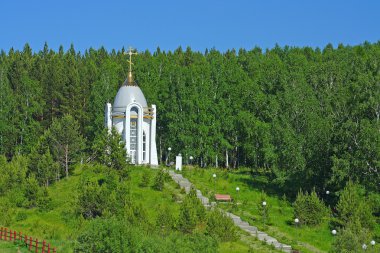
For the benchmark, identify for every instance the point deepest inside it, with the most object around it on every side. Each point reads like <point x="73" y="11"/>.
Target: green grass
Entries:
<point x="60" y="226"/>
<point x="306" y="239"/>
<point x="9" y="247"/>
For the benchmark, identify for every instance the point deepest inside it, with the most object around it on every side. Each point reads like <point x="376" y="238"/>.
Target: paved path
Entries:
<point x="186" y="184"/>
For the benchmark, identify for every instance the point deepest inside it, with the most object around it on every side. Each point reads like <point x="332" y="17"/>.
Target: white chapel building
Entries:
<point x="134" y="120"/>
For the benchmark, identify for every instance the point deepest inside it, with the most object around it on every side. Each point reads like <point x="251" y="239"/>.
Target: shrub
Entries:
<point x="350" y="239"/>
<point x="196" y="242"/>
<point x="6" y="212"/>
<point x="192" y="212"/>
<point x="309" y="209"/>
<point x="32" y="190"/>
<point x="220" y="226"/>
<point x="353" y="205"/>
<point x="165" y="220"/>
<point x="145" y="180"/>
<point x="112" y="235"/>
<point x="159" y="180"/>
<point x="21" y="216"/>
<point x="91" y="200"/>
<point x="43" y="199"/>
<point x="264" y="209"/>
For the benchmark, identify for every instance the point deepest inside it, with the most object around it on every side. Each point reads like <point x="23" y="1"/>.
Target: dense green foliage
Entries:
<point x="351" y="238"/>
<point x="354" y="208"/>
<point x="159" y="180"/>
<point x="304" y="118"/>
<point x="279" y="220"/>
<point x="108" y="149"/>
<point x="112" y="235"/>
<point x="192" y="213"/>
<point x="311" y="116"/>
<point x="221" y="227"/>
<point x="309" y="209"/>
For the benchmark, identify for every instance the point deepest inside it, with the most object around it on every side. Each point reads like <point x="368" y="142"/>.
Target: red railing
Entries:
<point x="31" y="244"/>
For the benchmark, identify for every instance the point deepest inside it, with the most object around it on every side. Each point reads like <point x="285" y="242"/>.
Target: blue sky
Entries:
<point x="199" y="24"/>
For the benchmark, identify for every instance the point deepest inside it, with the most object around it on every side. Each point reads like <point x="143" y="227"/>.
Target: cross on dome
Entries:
<point x="130" y="53"/>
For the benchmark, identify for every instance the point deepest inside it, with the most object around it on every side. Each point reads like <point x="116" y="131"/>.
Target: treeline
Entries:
<point x="309" y="117"/>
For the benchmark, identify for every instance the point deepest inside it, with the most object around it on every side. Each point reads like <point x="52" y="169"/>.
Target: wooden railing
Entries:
<point x="33" y="245"/>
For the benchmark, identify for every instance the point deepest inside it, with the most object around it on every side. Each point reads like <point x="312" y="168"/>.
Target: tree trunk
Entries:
<point x="160" y="151"/>
<point x="227" y="159"/>
<point x="67" y="160"/>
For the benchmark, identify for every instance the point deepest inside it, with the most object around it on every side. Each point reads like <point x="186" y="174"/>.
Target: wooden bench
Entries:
<point x="223" y="197"/>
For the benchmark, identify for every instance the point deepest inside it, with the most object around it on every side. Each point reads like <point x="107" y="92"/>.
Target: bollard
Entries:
<point x="14" y="235"/>
<point x="5" y="237"/>
<point x="26" y="240"/>
<point x="36" y="245"/>
<point x="1" y="233"/>
<point x="20" y="236"/>
<point x="43" y="246"/>
<point x="30" y="243"/>
<point x="48" y="248"/>
<point x="10" y="235"/>
<point x="54" y="250"/>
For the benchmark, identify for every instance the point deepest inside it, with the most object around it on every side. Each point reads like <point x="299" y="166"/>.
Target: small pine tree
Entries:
<point x="46" y="168"/>
<point x="220" y="227"/>
<point x="309" y="209"/>
<point x="145" y="180"/>
<point x="351" y="238"/>
<point x="282" y="203"/>
<point x="165" y="220"/>
<point x="31" y="191"/>
<point x="109" y="150"/>
<point x="67" y="141"/>
<point x="353" y="205"/>
<point x="159" y="180"/>
<point x="7" y="213"/>
<point x="264" y="208"/>
<point x="192" y="212"/>
<point x="43" y="200"/>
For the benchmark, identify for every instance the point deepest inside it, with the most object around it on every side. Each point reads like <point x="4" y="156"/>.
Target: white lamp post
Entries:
<point x="169" y="149"/>
<point x="237" y="190"/>
<point x="297" y="221"/>
<point x="264" y="211"/>
<point x="373" y="245"/>
<point x="214" y="176"/>
<point x="327" y="192"/>
<point x="191" y="160"/>
<point x="333" y="232"/>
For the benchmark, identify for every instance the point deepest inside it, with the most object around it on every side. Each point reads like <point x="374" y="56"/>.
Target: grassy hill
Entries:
<point x="281" y="212"/>
<point x="60" y="226"/>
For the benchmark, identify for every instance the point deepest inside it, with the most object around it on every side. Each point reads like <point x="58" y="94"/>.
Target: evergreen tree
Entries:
<point x="309" y="209"/>
<point x="353" y="207"/>
<point x="109" y="150"/>
<point x="46" y="168"/>
<point x="192" y="212"/>
<point x="67" y="142"/>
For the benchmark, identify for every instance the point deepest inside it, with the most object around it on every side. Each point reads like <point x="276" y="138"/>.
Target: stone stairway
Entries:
<point x="252" y="230"/>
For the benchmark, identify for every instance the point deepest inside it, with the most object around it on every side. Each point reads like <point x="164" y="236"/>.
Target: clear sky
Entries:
<point x="199" y="24"/>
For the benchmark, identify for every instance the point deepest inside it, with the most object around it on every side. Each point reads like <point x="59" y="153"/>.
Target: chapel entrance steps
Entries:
<point x="252" y="230"/>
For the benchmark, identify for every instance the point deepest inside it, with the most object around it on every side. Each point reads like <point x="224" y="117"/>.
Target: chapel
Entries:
<point x="134" y="120"/>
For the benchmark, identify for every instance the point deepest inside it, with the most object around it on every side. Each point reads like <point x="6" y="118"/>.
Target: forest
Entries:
<point x="309" y="117"/>
<point x="295" y="127"/>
